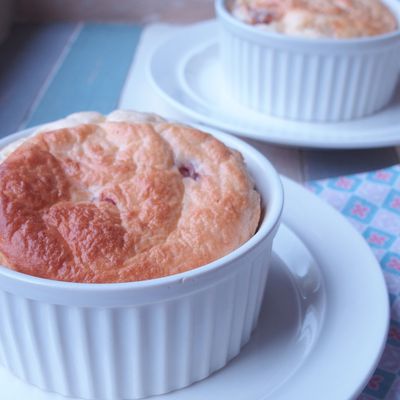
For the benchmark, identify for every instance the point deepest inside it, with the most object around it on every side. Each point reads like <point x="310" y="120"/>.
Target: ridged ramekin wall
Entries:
<point x="308" y="79"/>
<point x="134" y="351"/>
<point x="133" y="340"/>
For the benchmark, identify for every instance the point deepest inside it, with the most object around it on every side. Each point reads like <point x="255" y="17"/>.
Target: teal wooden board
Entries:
<point x="26" y="59"/>
<point x="92" y="74"/>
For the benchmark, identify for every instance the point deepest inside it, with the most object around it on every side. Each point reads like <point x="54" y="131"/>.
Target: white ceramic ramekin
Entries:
<point x="308" y="79"/>
<point x="133" y="340"/>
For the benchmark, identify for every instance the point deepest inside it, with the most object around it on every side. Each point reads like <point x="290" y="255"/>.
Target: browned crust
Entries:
<point x="327" y="18"/>
<point x="117" y="202"/>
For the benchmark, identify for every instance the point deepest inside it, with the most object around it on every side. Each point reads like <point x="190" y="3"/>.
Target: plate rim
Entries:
<point x="290" y="185"/>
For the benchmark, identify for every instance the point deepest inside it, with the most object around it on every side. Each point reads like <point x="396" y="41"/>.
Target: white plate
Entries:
<point x="323" y="279"/>
<point x="185" y="71"/>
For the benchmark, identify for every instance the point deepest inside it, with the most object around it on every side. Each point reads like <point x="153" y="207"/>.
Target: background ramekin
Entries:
<point x="308" y="79"/>
<point x="133" y="340"/>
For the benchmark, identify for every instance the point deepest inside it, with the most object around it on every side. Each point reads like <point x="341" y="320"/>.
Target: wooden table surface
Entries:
<point x="49" y="70"/>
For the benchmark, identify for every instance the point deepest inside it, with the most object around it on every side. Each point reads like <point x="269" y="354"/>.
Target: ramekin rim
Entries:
<point x="267" y="226"/>
<point x="226" y="16"/>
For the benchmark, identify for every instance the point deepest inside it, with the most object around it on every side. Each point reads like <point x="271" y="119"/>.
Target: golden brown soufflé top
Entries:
<point x="127" y="197"/>
<point x="338" y="19"/>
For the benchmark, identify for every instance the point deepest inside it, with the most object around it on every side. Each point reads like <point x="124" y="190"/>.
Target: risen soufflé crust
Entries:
<point x="127" y="197"/>
<point x="338" y="19"/>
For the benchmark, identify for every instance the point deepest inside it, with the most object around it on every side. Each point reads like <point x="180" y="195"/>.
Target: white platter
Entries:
<point x="184" y="69"/>
<point x="323" y="279"/>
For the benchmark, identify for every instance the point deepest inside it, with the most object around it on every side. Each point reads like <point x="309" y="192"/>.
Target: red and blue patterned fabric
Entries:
<point x="371" y="202"/>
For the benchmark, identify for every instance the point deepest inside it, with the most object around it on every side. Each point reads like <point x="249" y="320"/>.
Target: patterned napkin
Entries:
<point x="371" y="202"/>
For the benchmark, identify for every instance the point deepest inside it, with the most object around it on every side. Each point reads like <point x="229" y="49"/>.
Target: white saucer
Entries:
<point x="321" y="284"/>
<point x="185" y="71"/>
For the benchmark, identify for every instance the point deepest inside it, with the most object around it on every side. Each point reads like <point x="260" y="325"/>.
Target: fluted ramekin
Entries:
<point x="133" y="340"/>
<point x="308" y="79"/>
